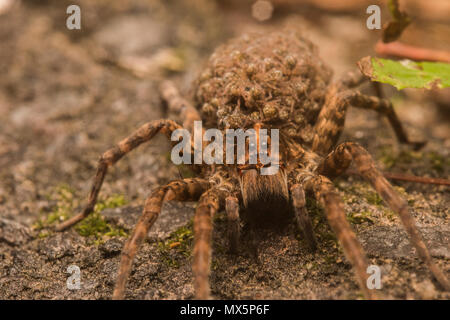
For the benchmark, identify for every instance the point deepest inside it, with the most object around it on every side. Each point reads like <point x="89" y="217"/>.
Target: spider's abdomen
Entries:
<point x="277" y="79"/>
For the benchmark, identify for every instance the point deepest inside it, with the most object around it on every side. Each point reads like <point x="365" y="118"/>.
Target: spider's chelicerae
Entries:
<point x="267" y="81"/>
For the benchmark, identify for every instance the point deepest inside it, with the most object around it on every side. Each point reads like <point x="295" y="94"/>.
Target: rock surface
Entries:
<point x="13" y="233"/>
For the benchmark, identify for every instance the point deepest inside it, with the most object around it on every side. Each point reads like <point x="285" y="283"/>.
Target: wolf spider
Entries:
<point x="268" y="81"/>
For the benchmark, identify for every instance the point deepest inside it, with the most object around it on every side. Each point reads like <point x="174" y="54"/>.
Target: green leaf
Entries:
<point x="406" y="73"/>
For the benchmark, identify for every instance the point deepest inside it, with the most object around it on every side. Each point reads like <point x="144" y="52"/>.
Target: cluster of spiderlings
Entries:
<point x="275" y="78"/>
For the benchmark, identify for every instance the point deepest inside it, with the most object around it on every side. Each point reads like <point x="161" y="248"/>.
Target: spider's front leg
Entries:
<point x="326" y="194"/>
<point x="210" y="202"/>
<point x="110" y="157"/>
<point x="181" y="190"/>
<point x="302" y="217"/>
<point x="234" y="225"/>
<point x="146" y="132"/>
<point x="331" y="119"/>
<point x="339" y="160"/>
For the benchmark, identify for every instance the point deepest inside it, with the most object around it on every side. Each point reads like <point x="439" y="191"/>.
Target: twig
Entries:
<point x="410" y="178"/>
<point x="400" y="50"/>
<point x="393" y="30"/>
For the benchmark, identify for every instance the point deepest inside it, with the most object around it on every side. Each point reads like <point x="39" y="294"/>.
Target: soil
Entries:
<point x="66" y="96"/>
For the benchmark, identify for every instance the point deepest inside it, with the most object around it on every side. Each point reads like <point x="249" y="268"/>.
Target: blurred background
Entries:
<point x="66" y="96"/>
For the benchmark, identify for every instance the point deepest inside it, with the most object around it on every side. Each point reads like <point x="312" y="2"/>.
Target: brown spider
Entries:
<point x="266" y="81"/>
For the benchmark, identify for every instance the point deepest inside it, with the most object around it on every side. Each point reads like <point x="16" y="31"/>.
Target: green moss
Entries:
<point x="408" y="157"/>
<point x="388" y="213"/>
<point x="432" y="159"/>
<point x="330" y="260"/>
<point x="114" y="201"/>
<point x="359" y="217"/>
<point x="326" y="235"/>
<point x="438" y="162"/>
<point x="43" y="234"/>
<point x="314" y="208"/>
<point x="389" y="158"/>
<point x="96" y="226"/>
<point x="321" y="227"/>
<point x="93" y="226"/>
<point x="179" y="242"/>
<point x="349" y="199"/>
<point x="373" y="198"/>
<point x="404" y="194"/>
<point x="63" y="200"/>
<point x="361" y="190"/>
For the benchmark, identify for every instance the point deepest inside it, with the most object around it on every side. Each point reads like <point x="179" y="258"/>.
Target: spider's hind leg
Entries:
<point x="384" y="107"/>
<point x="339" y="160"/>
<point x="208" y="205"/>
<point x="331" y="119"/>
<point x="181" y="190"/>
<point x="178" y="105"/>
<point x="145" y="133"/>
<point x="302" y="217"/>
<point x="234" y="225"/>
<point x="326" y="194"/>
